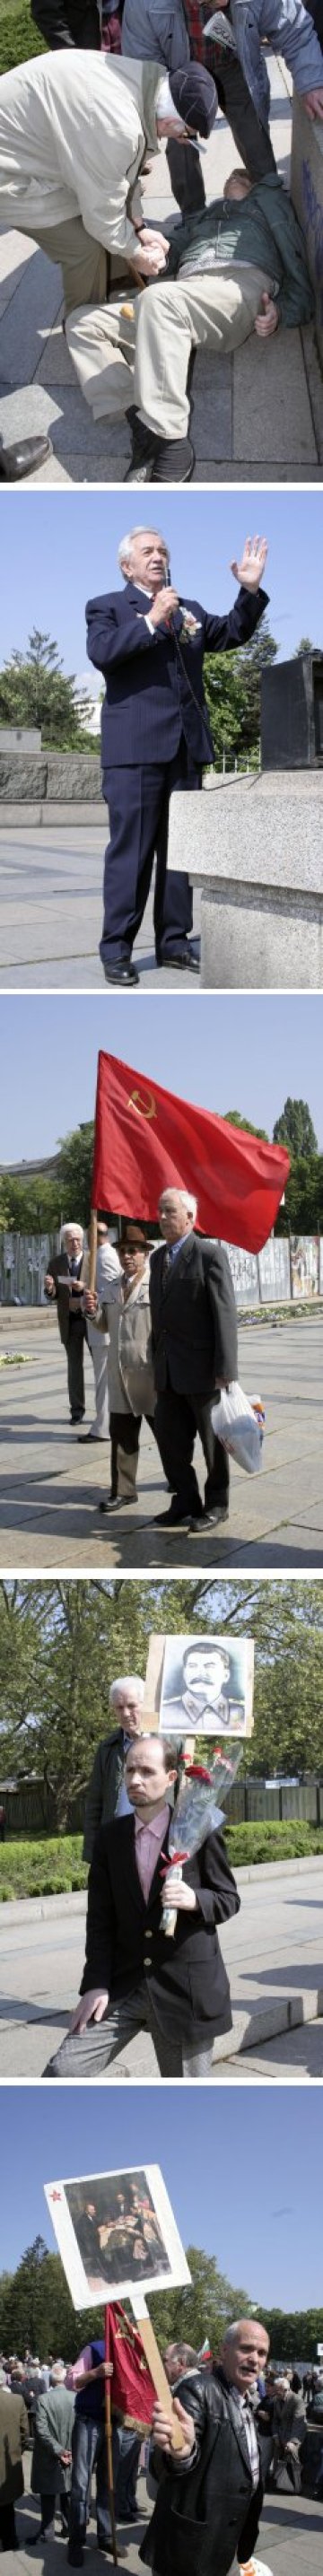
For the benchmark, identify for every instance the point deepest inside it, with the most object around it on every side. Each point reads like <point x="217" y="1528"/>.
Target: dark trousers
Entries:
<point x="129" y="2447"/>
<point x="186" y="176"/>
<point x="251" y="137"/>
<point x="177" y="1419"/>
<point x="47" y="2508"/>
<point x="138" y="801"/>
<point x="89" y="2451"/>
<point x="75" y="1365"/>
<point x="8" y="2534"/>
<point x="125" y="1431"/>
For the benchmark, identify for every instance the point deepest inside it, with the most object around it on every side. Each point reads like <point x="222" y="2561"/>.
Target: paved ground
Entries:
<point x="50" y="1485"/>
<point x="51" y="911"/>
<point x="259" y="414"/>
<point x="274" y="1955"/>
<point x="290" y="2538"/>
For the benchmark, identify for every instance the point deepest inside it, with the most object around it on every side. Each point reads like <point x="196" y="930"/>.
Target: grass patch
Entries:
<point x="260" y="1842"/>
<point x="19" y="38"/>
<point x="51" y="1867"/>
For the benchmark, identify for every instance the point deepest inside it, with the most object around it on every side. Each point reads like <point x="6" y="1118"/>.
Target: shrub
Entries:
<point x="19" y="38"/>
<point x="260" y="1842"/>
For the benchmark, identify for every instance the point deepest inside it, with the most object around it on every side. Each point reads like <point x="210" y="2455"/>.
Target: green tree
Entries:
<point x="35" y="690"/>
<point x="203" y="2308"/>
<point x="253" y="660"/>
<point x="295" y="1128"/>
<point x="305" y="646"/>
<point x="34" y="1207"/>
<point x="235" y="1120"/>
<point x="75" y="1171"/>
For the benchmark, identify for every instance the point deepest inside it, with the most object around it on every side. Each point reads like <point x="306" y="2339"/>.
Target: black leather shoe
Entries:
<point x="154" y="459"/>
<point x="121" y="975"/>
<point x="173" y="1519"/>
<point x="181" y="957"/>
<point x="211" y="1520"/>
<point x="23" y="458"/>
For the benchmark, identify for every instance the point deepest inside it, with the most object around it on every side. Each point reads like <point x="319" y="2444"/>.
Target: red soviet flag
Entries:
<point x="147" y="1140"/>
<point x="132" y="2389"/>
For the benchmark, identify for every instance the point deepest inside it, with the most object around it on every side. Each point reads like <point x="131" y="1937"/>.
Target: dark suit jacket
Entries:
<point x="103" y="1789"/>
<point x="193" y="1314"/>
<point x="205" y="2513"/>
<point x="148" y="704"/>
<point x="56" y="1269"/>
<point x="125" y="1941"/>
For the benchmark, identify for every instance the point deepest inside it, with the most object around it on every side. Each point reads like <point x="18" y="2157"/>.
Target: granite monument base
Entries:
<point x="254" y="845"/>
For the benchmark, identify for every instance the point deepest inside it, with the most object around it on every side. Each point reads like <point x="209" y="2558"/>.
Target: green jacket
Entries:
<point x="262" y="230"/>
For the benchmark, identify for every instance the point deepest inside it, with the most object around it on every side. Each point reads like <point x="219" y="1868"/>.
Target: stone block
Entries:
<point x="254" y="845"/>
<point x="270" y="387"/>
<point x="307" y="193"/>
<point x="73" y="774"/>
<point x="22" y="780"/>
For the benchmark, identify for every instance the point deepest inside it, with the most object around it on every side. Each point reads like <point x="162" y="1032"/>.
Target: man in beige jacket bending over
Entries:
<point x="74" y="131"/>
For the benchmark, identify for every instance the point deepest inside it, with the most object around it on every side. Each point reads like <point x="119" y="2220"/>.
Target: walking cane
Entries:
<point x="108" y="2428"/>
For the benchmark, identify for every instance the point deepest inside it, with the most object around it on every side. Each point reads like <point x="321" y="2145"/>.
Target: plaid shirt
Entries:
<point x="204" y="50"/>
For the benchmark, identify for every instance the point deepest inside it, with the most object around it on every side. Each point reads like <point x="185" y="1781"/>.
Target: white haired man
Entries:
<point x="156" y="737"/>
<point x="65" y="1282"/>
<point x="194" y="1346"/>
<point x="214" y="2486"/>
<point x="107" y="1794"/>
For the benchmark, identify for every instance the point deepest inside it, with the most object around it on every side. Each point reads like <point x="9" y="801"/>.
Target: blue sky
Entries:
<point x="60" y="548"/>
<point x="226" y="1052"/>
<point x="253" y="2158"/>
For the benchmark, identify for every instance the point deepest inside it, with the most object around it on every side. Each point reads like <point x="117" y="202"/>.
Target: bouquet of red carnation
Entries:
<point x="197" y="1812"/>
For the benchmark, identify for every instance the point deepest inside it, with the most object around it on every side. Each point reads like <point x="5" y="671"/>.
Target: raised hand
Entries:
<point x="253" y="560"/>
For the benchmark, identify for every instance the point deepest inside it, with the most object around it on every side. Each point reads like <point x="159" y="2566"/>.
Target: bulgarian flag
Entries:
<point x="147" y="1140"/>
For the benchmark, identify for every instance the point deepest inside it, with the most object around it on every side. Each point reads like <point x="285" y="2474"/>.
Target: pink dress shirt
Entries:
<point x="149" y="1839"/>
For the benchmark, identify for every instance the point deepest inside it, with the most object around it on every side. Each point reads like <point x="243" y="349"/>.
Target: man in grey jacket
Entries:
<point x="107" y="1795"/>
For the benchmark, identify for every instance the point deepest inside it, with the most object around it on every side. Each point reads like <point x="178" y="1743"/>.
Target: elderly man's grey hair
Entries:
<point x="72" y="1228"/>
<point x="188" y="1201"/>
<point x="123" y="1684"/>
<point x="231" y="2332"/>
<point x="127" y="542"/>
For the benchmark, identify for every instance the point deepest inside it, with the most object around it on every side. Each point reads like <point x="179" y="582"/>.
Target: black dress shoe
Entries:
<point x="121" y="974"/>
<point x="23" y="458"/>
<point x="154" y="459"/>
<point x="173" y="1519"/>
<point x="181" y="957"/>
<point x="210" y="1520"/>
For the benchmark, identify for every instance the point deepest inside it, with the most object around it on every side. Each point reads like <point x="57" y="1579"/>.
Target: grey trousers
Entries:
<point x="89" y="2052"/>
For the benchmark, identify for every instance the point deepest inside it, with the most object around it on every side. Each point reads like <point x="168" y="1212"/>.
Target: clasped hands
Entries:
<point x="152" y="253"/>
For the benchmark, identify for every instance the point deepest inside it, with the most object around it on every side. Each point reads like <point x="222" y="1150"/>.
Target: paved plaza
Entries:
<point x="51" y="1483"/>
<point x="290" y="2540"/>
<point x="51" y="910"/>
<point x="256" y="415"/>
<point x="274" y="1956"/>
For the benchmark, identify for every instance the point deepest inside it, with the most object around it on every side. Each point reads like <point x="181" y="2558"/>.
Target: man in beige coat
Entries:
<point x="14" y="2436"/>
<point x="74" y="132"/>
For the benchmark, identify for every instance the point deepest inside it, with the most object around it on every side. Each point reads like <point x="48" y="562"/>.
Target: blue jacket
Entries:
<point x="149" y="678"/>
<point x="156" y="30"/>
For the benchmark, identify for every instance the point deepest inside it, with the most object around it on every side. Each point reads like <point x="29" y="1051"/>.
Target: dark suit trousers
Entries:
<point x="75" y="1365"/>
<point x="177" y="1419"/>
<point x="138" y="802"/>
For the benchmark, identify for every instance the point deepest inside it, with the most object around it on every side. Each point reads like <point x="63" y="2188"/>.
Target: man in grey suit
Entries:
<point x="194" y="1347"/>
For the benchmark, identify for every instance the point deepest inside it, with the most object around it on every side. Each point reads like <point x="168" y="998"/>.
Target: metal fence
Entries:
<point x="29" y="1808"/>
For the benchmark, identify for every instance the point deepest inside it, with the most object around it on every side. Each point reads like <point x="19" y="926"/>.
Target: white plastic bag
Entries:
<point x="239" y="1423"/>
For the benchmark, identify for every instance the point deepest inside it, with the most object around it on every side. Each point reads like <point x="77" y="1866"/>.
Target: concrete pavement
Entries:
<point x="51" y="909"/>
<point x="50" y="1484"/>
<point x="256" y="415"/>
<point x="290" y="2538"/>
<point x="274" y="1956"/>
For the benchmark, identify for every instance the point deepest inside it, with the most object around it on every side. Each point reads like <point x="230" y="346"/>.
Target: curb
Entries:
<point x="268" y="2022"/>
<point x="38" y="1909"/>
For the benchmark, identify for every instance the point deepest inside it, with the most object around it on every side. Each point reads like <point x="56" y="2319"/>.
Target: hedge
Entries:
<point x="54" y="1867"/>
<point x="19" y="38"/>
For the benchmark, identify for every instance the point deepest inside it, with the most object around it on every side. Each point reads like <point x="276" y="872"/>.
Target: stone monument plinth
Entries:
<point x="254" y="845"/>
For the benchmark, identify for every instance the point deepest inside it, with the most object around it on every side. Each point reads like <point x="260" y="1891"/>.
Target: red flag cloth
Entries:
<point x="147" y="1140"/>
<point x="132" y="2390"/>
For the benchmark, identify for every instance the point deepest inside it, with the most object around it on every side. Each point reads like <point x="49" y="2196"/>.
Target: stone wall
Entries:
<point x="307" y="194"/>
<point x="50" y="777"/>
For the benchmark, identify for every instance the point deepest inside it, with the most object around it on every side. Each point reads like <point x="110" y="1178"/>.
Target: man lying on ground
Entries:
<point x="239" y="266"/>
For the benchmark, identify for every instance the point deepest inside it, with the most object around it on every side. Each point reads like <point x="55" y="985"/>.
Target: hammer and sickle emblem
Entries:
<point x="146" y="1108"/>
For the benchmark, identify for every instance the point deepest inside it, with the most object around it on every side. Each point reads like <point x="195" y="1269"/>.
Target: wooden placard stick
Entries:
<point x="155" y="2363"/>
<point x="108" y="2428"/>
<point x="93" y="1246"/>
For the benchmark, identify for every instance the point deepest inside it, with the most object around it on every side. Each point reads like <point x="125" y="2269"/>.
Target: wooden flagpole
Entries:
<point x="108" y="2428"/>
<point x="93" y="1246"/>
<point x="155" y="2363"/>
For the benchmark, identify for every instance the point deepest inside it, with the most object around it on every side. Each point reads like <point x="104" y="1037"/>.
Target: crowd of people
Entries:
<point x="76" y="126"/>
<point x="162" y="1331"/>
<point x="242" y="2422"/>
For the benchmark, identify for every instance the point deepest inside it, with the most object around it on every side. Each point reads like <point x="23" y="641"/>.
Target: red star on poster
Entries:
<point x="55" y="2195"/>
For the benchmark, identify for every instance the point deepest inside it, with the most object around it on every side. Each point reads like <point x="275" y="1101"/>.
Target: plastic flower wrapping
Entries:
<point x="197" y="1811"/>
